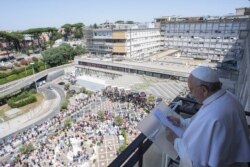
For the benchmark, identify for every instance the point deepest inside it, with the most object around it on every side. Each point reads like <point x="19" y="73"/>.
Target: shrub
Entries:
<point x="21" y="100"/>
<point x="67" y="122"/>
<point x="26" y="148"/>
<point x="26" y="101"/>
<point x="64" y="104"/>
<point x="101" y="116"/>
<point x="3" y="81"/>
<point x="3" y="75"/>
<point x="12" y="77"/>
<point x="118" y="121"/>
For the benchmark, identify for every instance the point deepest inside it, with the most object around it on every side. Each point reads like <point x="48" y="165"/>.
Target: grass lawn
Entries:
<point x="24" y="109"/>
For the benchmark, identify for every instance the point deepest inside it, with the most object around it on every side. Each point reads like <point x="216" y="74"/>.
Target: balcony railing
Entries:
<point x="134" y="153"/>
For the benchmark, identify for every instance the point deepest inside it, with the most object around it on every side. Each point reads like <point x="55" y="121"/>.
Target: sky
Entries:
<point x="24" y="14"/>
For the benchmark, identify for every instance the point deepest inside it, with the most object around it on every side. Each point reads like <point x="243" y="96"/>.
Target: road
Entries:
<point x="17" y="85"/>
<point x="55" y="96"/>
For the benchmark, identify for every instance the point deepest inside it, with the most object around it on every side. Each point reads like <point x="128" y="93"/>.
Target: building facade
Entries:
<point x="214" y="38"/>
<point x="133" y="42"/>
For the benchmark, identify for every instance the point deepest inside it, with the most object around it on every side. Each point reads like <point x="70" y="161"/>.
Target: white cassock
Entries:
<point x="217" y="135"/>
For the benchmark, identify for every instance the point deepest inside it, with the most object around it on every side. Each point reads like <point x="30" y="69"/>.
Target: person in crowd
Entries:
<point x="217" y="135"/>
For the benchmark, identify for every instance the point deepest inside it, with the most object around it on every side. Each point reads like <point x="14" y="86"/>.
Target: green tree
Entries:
<point x="95" y="26"/>
<point x="26" y="148"/>
<point x="79" y="50"/>
<point x="83" y="90"/>
<point x="59" y="55"/>
<point x="119" y="22"/>
<point x="64" y="104"/>
<point x="101" y="116"/>
<point x="78" y="33"/>
<point x="13" y="40"/>
<point x="124" y="134"/>
<point x="130" y="22"/>
<point x="66" y="87"/>
<point x="35" y="33"/>
<point x="118" y="121"/>
<point x="67" y="122"/>
<point x="67" y="31"/>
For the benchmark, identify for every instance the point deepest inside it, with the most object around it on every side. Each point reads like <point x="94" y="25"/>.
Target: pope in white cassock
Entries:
<point x="217" y="135"/>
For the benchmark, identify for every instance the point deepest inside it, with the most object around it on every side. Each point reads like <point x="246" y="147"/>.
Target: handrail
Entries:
<point x="135" y="151"/>
<point x="137" y="148"/>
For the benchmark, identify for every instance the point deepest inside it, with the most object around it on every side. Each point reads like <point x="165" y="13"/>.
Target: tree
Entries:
<point x="67" y="31"/>
<point x="53" y="36"/>
<point x="83" y="90"/>
<point x="26" y="148"/>
<point x="79" y="50"/>
<point x="95" y="26"/>
<point x="67" y="122"/>
<point x="66" y="87"/>
<point x="78" y="33"/>
<point x="119" y="22"/>
<point x="118" y="121"/>
<point x="101" y="116"/>
<point x="36" y="34"/>
<point x="13" y="40"/>
<point x="64" y="104"/>
<point x="59" y="55"/>
<point x="130" y="22"/>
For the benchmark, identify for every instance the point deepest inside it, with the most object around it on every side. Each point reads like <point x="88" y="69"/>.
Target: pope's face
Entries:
<point x="197" y="91"/>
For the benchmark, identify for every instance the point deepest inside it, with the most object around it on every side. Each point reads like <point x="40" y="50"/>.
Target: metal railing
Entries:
<point x="133" y="153"/>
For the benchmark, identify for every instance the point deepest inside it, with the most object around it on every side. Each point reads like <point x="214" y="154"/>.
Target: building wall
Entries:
<point x="119" y="34"/>
<point x="206" y="39"/>
<point x="133" y="43"/>
<point x="143" y="42"/>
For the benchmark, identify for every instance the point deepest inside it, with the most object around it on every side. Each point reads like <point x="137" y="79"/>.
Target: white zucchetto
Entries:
<point x="205" y="74"/>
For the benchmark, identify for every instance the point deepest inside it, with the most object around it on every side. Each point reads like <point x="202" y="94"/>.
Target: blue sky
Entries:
<point x="24" y="14"/>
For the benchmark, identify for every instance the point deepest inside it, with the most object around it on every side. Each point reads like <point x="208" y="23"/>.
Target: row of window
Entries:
<point x="198" y="26"/>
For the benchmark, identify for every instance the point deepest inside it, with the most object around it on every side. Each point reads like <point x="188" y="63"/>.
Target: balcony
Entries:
<point x="143" y="153"/>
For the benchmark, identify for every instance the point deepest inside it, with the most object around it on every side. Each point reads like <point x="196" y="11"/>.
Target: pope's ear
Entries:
<point x="204" y="89"/>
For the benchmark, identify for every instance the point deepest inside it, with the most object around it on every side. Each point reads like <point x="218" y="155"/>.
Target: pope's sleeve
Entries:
<point x="182" y="152"/>
<point x="186" y="122"/>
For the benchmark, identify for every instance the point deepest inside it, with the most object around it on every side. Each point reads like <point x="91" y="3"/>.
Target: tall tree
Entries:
<point x="67" y="31"/>
<point x="36" y="34"/>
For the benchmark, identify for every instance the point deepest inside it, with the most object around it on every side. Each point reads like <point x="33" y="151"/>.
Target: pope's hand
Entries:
<point x="170" y="135"/>
<point x="175" y="120"/>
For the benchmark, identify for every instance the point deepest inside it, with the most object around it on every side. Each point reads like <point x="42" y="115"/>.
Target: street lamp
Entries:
<point x="32" y="63"/>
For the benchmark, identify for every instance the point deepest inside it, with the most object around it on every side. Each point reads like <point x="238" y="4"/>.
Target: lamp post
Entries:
<point x="32" y="63"/>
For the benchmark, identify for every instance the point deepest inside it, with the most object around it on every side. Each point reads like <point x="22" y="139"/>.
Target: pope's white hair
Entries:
<point x="211" y="86"/>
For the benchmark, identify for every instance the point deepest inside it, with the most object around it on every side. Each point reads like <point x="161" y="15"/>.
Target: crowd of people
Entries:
<point x="56" y="144"/>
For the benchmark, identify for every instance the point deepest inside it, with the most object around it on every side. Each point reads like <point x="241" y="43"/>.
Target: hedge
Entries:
<point x="17" y="71"/>
<point x="3" y="81"/>
<point x="23" y="102"/>
<point x="12" y="77"/>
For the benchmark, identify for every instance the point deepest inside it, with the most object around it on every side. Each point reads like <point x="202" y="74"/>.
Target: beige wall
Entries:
<point x="118" y="35"/>
<point x="119" y="48"/>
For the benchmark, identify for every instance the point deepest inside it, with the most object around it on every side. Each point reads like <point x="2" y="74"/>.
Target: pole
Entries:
<point x="34" y="75"/>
